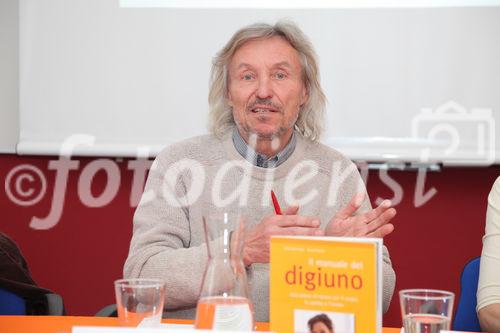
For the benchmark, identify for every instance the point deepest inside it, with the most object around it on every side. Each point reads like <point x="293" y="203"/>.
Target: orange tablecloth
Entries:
<point x="51" y="324"/>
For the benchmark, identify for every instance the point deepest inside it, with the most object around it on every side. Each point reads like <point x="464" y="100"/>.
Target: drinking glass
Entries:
<point x="139" y="301"/>
<point x="426" y="310"/>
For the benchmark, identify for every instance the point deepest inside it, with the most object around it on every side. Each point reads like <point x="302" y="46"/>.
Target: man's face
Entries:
<point x="320" y="327"/>
<point x="265" y="88"/>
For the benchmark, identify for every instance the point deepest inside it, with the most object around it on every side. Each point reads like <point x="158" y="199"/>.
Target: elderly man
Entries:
<point x="266" y="113"/>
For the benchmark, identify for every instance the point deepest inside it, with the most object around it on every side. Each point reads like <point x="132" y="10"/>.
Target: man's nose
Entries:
<point x="264" y="89"/>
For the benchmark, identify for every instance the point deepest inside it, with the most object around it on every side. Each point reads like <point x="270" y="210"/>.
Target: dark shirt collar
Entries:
<point x="261" y="160"/>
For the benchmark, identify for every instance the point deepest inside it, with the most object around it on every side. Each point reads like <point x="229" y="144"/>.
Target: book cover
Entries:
<point x="325" y="285"/>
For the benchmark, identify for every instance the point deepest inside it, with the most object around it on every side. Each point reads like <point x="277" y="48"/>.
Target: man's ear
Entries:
<point x="229" y="99"/>
<point x="305" y="96"/>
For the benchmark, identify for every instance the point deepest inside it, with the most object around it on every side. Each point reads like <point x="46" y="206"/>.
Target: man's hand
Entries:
<point x="257" y="239"/>
<point x="374" y="223"/>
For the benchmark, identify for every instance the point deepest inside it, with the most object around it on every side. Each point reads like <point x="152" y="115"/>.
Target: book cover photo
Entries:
<point x="325" y="285"/>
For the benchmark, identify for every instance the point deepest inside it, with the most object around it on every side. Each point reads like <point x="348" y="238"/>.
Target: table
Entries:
<point x="60" y="324"/>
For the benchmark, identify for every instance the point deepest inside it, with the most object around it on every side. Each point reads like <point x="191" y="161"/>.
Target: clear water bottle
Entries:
<point x="224" y="303"/>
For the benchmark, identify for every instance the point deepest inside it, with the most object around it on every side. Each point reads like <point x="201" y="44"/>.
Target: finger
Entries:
<point x="351" y="207"/>
<point x="375" y="213"/>
<point x="298" y="221"/>
<point x="384" y="218"/>
<point x="383" y="231"/>
<point x="381" y="220"/>
<point x="292" y="210"/>
<point x="299" y="231"/>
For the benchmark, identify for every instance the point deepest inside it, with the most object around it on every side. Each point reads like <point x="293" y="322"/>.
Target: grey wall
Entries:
<point x="9" y="77"/>
<point x="135" y="79"/>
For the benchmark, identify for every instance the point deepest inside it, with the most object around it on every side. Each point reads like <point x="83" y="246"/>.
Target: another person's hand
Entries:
<point x="374" y="223"/>
<point x="257" y="238"/>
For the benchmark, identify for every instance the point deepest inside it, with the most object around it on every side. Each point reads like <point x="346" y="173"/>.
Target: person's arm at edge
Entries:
<point x="489" y="280"/>
<point x="489" y="318"/>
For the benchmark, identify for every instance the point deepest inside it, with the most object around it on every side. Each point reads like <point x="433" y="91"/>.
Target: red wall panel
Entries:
<point x="84" y="252"/>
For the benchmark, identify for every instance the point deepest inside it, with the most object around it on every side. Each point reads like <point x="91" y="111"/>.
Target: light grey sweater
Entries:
<point x="168" y="239"/>
<point x="488" y="290"/>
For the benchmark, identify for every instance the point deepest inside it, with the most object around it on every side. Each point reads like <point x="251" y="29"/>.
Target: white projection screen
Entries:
<point x="133" y="75"/>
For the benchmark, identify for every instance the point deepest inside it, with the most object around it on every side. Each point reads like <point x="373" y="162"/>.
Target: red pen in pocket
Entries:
<point x="276" y="205"/>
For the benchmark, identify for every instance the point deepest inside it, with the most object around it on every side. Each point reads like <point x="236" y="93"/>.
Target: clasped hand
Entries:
<point x="374" y="223"/>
